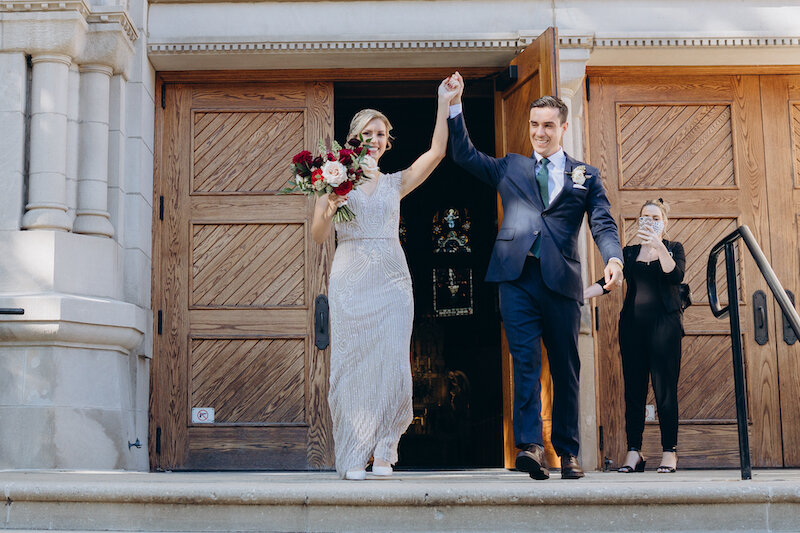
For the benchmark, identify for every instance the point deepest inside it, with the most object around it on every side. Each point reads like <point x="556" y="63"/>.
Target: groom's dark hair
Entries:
<point x="554" y="102"/>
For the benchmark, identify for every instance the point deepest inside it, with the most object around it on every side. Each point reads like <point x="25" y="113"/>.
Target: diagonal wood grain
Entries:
<point x="248" y="265"/>
<point x="230" y="154"/>
<point x="700" y="398"/>
<point x="249" y="381"/>
<point x="675" y="146"/>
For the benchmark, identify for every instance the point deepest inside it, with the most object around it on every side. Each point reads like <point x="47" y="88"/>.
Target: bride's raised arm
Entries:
<point x="420" y="169"/>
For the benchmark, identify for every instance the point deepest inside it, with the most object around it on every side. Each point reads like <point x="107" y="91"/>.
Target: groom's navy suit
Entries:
<point x="540" y="298"/>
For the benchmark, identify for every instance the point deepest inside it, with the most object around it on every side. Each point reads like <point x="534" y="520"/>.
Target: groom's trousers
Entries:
<point x="531" y="313"/>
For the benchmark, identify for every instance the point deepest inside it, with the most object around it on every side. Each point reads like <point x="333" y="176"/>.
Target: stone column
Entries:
<point x="47" y="205"/>
<point x="572" y="69"/>
<point x="92" y="214"/>
<point x="13" y="81"/>
<point x="73" y="106"/>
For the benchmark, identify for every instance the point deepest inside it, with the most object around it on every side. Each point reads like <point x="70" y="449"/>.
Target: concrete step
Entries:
<point x="477" y="500"/>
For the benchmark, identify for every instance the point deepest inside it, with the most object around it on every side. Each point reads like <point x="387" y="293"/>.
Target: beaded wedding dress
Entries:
<point x="371" y="310"/>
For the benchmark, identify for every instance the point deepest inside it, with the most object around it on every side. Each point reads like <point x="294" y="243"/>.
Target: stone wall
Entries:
<point x="75" y="239"/>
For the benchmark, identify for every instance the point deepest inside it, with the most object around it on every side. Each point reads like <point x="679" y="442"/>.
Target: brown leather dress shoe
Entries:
<point x="570" y="467"/>
<point x="531" y="460"/>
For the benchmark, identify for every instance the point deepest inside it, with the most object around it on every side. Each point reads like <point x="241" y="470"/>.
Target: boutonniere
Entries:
<point x="578" y="175"/>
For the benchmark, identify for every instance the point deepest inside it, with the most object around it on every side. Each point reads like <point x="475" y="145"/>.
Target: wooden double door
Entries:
<point x="723" y="149"/>
<point x="238" y="380"/>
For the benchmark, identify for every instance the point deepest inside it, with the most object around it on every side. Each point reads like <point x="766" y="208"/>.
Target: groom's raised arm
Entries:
<point x="461" y="149"/>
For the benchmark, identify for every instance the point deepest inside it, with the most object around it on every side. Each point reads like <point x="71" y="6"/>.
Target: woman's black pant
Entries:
<point x="651" y="349"/>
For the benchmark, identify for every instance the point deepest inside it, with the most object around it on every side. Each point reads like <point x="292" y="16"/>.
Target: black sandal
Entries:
<point x="664" y="469"/>
<point x="638" y="467"/>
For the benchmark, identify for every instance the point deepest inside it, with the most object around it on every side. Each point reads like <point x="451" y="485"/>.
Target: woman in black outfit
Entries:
<point x="650" y="332"/>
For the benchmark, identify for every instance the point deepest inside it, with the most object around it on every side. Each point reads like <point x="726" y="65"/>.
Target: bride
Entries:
<point x="371" y="301"/>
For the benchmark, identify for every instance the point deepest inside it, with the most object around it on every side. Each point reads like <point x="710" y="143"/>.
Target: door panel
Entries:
<point x="537" y="71"/>
<point x="696" y="142"/>
<point x="237" y="275"/>
<point x="781" y="100"/>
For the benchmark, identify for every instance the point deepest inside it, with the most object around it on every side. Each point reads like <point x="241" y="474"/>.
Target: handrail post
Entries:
<point x="738" y="361"/>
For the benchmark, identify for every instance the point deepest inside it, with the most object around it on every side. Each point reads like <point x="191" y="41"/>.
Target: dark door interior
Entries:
<point x="447" y="230"/>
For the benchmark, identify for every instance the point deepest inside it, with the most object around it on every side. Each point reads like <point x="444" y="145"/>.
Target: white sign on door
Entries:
<point x="202" y="415"/>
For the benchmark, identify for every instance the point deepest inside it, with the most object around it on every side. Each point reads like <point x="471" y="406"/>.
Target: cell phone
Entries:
<point x="645" y="222"/>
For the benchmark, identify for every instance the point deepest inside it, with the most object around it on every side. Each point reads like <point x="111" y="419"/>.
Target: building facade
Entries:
<point x="170" y="295"/>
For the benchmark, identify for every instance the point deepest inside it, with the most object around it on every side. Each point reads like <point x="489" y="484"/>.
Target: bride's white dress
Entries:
<point x="372" y="311"/>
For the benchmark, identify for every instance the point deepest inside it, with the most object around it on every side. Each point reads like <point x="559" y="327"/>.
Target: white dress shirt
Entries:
<point x="555" y="171"/>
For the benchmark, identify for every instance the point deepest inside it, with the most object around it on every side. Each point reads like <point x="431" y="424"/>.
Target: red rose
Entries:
<point x="346" y="156"/>
<point x="331" y="157"/>
<point x="316" y="175"/>
<point x="318" y="162"/>
<point x="344" y="188"/>
<point x="303" y="157"/>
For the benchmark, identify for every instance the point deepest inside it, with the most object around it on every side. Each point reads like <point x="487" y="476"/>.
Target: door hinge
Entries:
<point x="161" y="207"/>
<point x="160" y="321"/>
<point x="596" y="318"/>
<point x="158" y="440"/>
<point x="586" y="85"/>
<point x="163" y="96"/>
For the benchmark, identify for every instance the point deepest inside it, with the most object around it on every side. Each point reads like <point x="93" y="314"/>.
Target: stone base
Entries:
<point x="487" y="500"/>
<point x="71" y="396"/>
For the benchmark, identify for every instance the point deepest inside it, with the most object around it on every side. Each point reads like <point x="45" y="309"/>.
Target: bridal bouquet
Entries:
<point x="338" y="170"/>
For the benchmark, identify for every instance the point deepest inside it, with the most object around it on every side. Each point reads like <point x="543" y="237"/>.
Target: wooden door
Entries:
<point x="695" y="141"/>
<point x="537" y="75"/>
<point x="780" y="95"/>
<point x="236" y="274"/>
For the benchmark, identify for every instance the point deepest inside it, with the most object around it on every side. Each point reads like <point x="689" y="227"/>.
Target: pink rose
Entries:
<point x="334" y="172"/>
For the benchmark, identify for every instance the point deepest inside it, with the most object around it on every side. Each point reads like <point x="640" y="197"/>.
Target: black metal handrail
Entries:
<point x="732" y="310"/>
<point x="11" y="311"/>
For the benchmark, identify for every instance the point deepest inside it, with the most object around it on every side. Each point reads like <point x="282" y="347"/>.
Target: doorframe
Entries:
<point x="206" y="77"/>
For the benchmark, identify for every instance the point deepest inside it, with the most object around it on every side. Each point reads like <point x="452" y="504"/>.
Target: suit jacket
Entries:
<point x="668" y="283"/>
<point x="525" y="218"/>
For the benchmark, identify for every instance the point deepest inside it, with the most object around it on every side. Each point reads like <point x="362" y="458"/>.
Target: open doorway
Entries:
<point x="447" y="230"/>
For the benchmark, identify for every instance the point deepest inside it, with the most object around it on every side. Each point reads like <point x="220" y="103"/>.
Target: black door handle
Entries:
<point x="788" y="333"/>
<point x="322" y="336"/>
<point x="761" y="329"/>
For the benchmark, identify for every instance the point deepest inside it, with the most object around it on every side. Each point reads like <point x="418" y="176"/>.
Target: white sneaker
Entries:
<point x="356" y="475"/>
<point x="381" y="471"/>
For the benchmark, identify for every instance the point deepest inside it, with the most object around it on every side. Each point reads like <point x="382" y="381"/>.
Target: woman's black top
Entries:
<point x="648" y="284"/>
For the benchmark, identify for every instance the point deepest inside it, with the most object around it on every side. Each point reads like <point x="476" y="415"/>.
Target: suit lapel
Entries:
<point x="569" y="164"/>
<point x="527" y="184"/>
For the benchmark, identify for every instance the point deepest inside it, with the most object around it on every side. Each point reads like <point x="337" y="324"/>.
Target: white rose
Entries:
<point x="334" y="173"/>
<point x="369" y="166"/>
<point x="579" y="175"/>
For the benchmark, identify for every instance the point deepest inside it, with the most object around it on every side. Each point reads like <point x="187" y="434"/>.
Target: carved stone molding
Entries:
<point x="73" y="321"/>
<point x="406" y="45"/>
<point x="594" y="41"/>
<point x="90" y="34"/>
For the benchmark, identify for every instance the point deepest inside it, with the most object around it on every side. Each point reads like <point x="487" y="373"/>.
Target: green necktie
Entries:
<point x="542" y="178"/>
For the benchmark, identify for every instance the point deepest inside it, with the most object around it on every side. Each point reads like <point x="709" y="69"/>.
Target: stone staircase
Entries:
<point x="476" y="500"/>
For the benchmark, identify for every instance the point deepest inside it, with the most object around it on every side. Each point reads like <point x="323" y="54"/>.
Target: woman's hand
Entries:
<point x="324" y="209"/>
<point x="649" y="238"/>
<point x="448" y="89"/>
<point x="334" y="202"/>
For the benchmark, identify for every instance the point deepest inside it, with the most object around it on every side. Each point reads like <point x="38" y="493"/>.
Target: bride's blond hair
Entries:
<point x="364" y="117"/>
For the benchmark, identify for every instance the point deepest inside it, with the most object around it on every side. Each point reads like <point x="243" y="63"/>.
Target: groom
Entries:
<point x="537" y="265"/>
